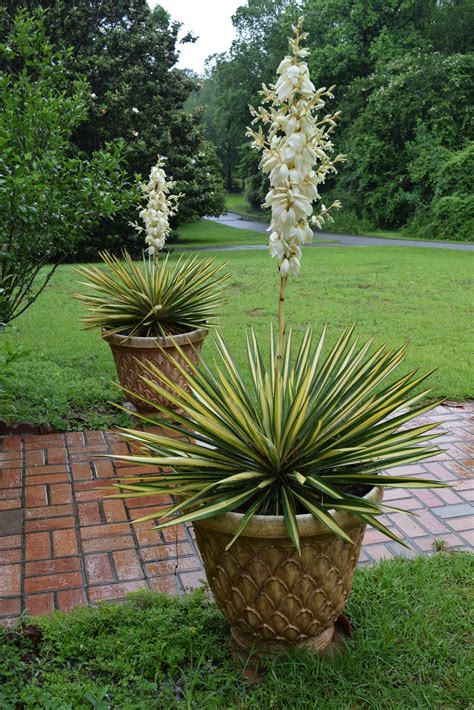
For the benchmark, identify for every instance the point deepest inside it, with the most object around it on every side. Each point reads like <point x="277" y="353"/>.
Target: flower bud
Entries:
<point x="293" y="266"/>
<point x="284" y="268"/>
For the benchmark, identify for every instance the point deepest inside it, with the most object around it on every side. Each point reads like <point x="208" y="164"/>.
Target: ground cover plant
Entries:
<point x="422" y="295"/>
<point x="410" y="628"/>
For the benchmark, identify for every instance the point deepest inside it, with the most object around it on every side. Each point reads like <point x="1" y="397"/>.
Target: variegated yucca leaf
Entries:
<point x="296" y="440"/>
<point x="150" y="299"/>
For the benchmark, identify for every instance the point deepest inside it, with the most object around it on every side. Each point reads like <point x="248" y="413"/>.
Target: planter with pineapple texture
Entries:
<point x="129" y="352"/>
<point x="272" y="597"/>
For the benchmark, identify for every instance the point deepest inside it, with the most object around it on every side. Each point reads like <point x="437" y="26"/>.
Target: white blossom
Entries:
<point x="161" y="205"/>
<point x="296" y="150"/>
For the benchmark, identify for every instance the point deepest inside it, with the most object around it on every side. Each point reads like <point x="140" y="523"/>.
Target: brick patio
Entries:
<point x="62" y="544"/>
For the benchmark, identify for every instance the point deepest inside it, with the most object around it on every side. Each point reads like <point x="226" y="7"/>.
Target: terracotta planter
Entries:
<point x="129" y="352"/>
<point x="272" y="597"/>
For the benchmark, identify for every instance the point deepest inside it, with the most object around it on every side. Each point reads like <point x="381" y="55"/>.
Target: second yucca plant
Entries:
<point x="152" y="298"/>
<point x="147" y="308"/>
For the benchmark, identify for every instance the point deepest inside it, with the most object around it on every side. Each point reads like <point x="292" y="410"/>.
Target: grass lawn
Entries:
<point x="409" y="649"/>
<point x="210" y="234"/>
<point x="394" y="293"/>
<point x="237" y="202"/>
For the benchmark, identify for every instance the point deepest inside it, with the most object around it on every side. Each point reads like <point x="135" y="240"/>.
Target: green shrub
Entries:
<point x="51" y="197"/>
<point x="457" y="173"/>
<point x="453" y="217"/>
<point x="450" y="213"/>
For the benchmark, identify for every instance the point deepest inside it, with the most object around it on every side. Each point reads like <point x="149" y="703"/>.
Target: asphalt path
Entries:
<point x="230" y="219"/>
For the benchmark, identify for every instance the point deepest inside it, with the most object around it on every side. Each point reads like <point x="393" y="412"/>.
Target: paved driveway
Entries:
<point x="230" y="219"/>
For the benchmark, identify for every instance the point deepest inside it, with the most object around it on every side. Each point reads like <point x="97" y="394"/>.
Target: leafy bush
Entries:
<point x="456" y="174"/>
<point x="450" y="212"/>
<point x="453" y="217"/>
<point x="403" y="94"/>
<point x="51" y="197"/>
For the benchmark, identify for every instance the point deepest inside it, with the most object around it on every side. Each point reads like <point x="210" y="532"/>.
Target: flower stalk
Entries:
<point x="161" y="205"/>
<point x="281" y="323"/>
<point x="296" y="148"/>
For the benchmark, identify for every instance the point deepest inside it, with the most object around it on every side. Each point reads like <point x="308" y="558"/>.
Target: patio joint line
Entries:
<point x="77" y="526"/>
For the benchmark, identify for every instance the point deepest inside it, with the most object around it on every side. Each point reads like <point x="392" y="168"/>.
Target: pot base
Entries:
<point x="242" y="642"/>
<point x="131" y="353"/>
<point x="251" y="662"/>
<point x="273" y="596"/>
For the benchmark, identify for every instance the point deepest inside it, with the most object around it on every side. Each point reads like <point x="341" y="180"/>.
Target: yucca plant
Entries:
<point x="152" y="298"/>
<point x="309" y="437"/>
<point x="302" y="445"/>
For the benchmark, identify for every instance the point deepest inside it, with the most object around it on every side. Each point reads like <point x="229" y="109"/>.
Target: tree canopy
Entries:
<point x="403" y="71"/>
<point x="128" y="54"/>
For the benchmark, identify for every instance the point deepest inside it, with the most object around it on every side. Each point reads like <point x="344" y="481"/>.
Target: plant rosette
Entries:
<point x="281" y="474"/>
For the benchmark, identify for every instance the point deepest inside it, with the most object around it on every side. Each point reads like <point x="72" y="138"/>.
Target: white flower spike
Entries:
<point x="161" y="205"/>
<point x="295" y="153"/>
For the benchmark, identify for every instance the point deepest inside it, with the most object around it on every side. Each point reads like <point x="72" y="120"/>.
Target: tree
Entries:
<point x="402" y="70"/>
<point x="232" y="80"/>
<point x="407" y="99"/>
<point x="51" y="196"/>
<point x="128" y="54"/>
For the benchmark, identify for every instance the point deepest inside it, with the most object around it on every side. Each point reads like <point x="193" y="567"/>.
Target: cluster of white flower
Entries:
<point x="161" y="205"/>
<point x="296" y="141"/>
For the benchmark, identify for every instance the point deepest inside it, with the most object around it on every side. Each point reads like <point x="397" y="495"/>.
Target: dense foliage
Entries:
<point x="51" y="196"/>
<point x="156" y="297"/>
<point x="296" y="440"/>
<point x="128" y="54"/>
<point x="404" y="76"/>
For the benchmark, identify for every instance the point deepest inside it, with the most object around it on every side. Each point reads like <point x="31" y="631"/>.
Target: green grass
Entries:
<point x="237" y="202"/>
<point x="395" y="293"/>
<point x="410" y="648"/>
<point x="211" y="234"/>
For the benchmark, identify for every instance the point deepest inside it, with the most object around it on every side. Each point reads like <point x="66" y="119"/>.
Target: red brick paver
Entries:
<point x="62" y="544"/>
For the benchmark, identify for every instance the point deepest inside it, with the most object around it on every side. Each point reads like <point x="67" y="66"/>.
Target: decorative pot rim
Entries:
<point x="132" y="341"/>
<point x="273" y="526"/>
